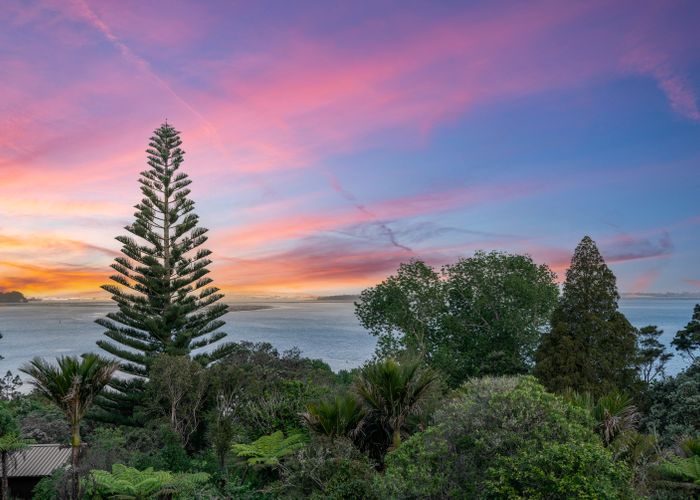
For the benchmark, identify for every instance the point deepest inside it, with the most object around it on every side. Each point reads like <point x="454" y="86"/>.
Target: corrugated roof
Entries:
<point x="38" y="460"/>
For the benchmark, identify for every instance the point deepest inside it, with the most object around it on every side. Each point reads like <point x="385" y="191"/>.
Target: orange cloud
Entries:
<point x="35" y="280"/>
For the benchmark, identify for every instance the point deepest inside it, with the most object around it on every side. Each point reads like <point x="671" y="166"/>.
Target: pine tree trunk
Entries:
<point x="75" y="460"/>
<point x="5" y="486"/>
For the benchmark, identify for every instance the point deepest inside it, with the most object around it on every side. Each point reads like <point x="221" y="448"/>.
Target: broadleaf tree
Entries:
<point x="481" y="315"/>
<point x="166" y="302"/>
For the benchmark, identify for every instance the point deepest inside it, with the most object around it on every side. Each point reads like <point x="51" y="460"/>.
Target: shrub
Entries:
<point x="570" y="470"/>
<point x="674" y="408"/>
<point x="326" y="469"/>
<point x="499" y="437"/>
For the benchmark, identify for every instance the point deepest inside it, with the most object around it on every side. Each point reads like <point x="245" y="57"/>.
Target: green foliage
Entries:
<point x="558" y="470"/>
<point x="166" y="453"/>
<point x="614" y="413"/>
<point x="10" y="442"/>
<point x="335" y="417"/>
<point x="8" y="422"/>
<point x="405" y="311"/>
<point x="129" y="483"/>
<point x="390" y="392"/>
<point x="674" y="405"/>
<point x="678" y="476"/>
<point x="326" y="469"/>
<point x="503" y="434"/>
<point x="682" y="469"/>
<point x="641" y="453"/>
<point x="652" y="355"/>
<point x="9" y="386"/>
<point x="498" y="306"/>
<point x="265" y="391"/>
<point x="40" y="420"/>
<point x="591" y="347"/>
<point x="687" y="340"/>
<point x="106" y="446"/>
<point x="269" y="450"/>
<point x="73" y="383"/>
<point x="690" y="446"/>
<point x="177" y="391"/>
<point x="481" y="315"/>
<point x="166" y="303"/>
<point x="52" y="487"/>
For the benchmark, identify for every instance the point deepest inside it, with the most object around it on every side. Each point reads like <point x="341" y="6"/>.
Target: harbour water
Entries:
<point x="325" y="330"/>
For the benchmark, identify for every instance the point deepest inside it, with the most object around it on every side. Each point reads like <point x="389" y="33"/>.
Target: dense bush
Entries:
<point x="504" y="437"/>
<point x="674" y="406"/>
<point x="266" y="391"/>
<point x="325" y="468"/>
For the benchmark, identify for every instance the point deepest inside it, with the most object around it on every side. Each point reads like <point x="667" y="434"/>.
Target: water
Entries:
<point x="324" y="330"/>
<point x="670" y="315"/>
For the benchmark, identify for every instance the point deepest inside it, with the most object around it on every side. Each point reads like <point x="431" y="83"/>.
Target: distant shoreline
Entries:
<point x="248" y="307"/>
<point x="101" y="303"/>
<point x="671" y="296"/>
<point x="258" y="305"/>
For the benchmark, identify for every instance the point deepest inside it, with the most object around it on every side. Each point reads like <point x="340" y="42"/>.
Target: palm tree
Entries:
<point x="72" y="386"/>
<point x="614" y="413"/>
<point x="334" y="417"/>
<point x="391" y="391"/>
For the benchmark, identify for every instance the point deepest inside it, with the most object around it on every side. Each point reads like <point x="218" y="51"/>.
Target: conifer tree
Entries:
<point x="687" y="340"/>
<point x="165" y="302"/>
<point x="591" y="347"/>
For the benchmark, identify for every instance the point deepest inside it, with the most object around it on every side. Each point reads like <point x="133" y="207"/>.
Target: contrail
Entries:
<point x="85" y="10"/>
<point x="388" y="232"/>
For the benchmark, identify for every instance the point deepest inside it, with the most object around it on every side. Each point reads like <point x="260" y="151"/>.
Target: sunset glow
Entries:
<point x="329" y="142"/>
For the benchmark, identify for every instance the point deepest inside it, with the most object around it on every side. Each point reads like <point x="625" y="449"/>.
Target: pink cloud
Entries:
<point x="287" y="227"/>
<point x="644" y="281"/>
<point x="678" y="89"/>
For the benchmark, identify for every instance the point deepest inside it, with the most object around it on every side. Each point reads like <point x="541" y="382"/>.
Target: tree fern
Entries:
<point x="269" y="450"/>
<point x="132" y="484"/>
<point x="682" y="469"/>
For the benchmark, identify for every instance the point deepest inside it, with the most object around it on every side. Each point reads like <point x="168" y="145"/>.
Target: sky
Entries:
<point x="330" y="141"/>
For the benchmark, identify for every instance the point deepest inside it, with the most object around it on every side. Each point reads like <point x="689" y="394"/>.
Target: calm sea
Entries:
<point x="324" y="330"/>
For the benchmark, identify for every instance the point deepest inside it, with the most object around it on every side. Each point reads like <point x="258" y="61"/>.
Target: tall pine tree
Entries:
<point x="590" y="347"/>
<point x="165" y="301"/>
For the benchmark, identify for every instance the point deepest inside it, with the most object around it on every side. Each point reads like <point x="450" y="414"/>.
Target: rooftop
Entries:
<point x="38" y="460"/>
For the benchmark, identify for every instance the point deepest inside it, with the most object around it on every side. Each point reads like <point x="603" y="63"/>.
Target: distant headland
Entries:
<point x="12" y="298"/>
<point x="338" y="298"/>
<point x="660" y="295"/>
